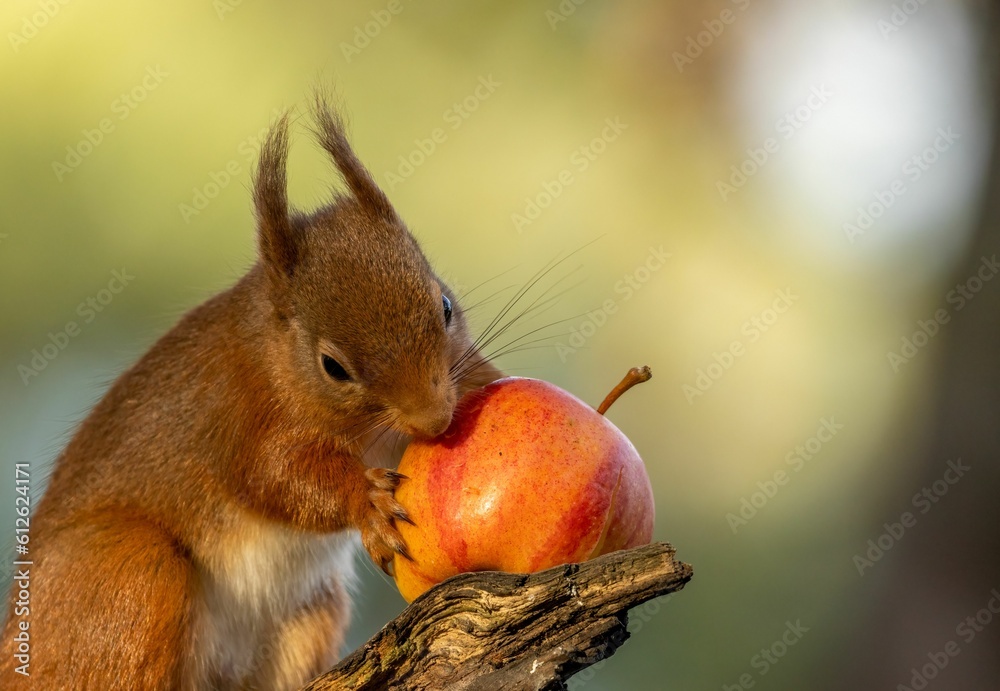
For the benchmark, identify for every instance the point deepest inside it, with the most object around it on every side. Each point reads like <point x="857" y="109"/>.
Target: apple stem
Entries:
<point x="634" y="376"/>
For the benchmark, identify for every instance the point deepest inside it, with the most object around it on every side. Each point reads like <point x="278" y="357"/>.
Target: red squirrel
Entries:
<point x="198" y="530"/>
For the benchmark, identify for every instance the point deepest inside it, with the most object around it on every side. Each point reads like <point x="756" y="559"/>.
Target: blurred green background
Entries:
<point x="744" y="137"/>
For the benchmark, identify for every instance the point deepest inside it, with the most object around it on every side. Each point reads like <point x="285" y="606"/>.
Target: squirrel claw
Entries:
<point x="379" y="534"/>
<point x="383" y="479"/>
<point x="405" y="553"/>
<point x="402" y="515"/>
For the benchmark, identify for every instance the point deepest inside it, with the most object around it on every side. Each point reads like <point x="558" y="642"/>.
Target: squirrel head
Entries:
<point x="367" y="331"/>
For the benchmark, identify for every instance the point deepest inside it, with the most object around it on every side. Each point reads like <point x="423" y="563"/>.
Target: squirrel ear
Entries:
<point x="361" y="183"/>
<point x="277" y="239"/>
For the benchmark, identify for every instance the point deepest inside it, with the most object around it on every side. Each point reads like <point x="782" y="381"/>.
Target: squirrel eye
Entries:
<point x="447" y="309"/>
<point x="335" y="369"/>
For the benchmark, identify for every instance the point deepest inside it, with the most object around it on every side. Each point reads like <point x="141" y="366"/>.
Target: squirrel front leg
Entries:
<point x="317" y="487"/>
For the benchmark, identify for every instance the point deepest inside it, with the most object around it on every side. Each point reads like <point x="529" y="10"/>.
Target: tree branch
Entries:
<point x="492" y="630"/>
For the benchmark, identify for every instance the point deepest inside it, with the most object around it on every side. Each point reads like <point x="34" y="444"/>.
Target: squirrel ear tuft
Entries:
<point x="333" y="139"/>
<point x="277" y="239"/>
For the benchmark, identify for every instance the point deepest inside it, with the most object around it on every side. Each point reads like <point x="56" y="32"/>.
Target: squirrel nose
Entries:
<point x="431" y="421"/>
<point x="432" y="416"/>
<point x="433" y="425"/>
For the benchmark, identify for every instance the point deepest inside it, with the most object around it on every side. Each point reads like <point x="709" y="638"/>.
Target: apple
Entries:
<point x="526" y="477"/>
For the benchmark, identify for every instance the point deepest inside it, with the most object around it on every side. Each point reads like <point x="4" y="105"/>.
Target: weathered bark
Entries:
<point x="492" y="630"/>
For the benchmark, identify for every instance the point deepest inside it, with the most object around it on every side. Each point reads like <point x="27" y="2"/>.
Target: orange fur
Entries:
<point x="196" y="530"/>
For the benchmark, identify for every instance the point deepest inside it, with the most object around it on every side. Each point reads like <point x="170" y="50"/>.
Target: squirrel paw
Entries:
<point x="379" y="535"/>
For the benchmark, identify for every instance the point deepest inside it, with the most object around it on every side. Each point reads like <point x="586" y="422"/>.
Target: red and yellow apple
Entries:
<point x="527" y="477"/>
